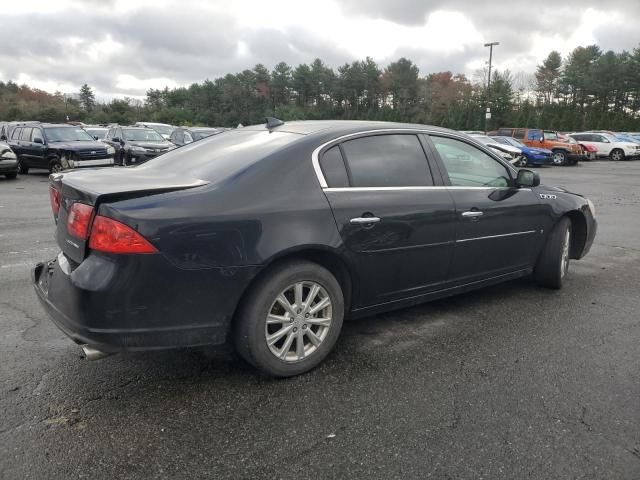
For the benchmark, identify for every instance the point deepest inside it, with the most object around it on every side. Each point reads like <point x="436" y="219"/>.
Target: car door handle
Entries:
<point x="364" y="220"/>
<point x="472" y="214"/>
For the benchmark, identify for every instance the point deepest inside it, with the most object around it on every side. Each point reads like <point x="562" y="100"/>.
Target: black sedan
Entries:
<point x="135" y="145"/>
<point x="269" y="236"/>
<point x="186" y="135"/>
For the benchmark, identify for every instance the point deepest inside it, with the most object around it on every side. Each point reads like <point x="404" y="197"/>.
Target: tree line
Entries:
<point x="589" y="89"/>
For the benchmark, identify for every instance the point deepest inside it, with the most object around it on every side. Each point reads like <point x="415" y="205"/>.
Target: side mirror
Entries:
<point x="541" y="139"/>
<point x="38" y="140"/>
<point x="527" y="178"/>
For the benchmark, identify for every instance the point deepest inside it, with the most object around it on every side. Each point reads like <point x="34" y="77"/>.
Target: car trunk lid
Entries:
<point x="96" y="186"/>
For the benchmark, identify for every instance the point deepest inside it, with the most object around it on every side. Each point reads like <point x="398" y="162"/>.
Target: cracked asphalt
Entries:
<point x="512" y="381"/>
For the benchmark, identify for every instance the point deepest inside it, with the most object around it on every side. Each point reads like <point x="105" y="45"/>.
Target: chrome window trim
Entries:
<point x="445" y="187"/>
<point x="496" y="236"/>
<point x="315" y="156"/>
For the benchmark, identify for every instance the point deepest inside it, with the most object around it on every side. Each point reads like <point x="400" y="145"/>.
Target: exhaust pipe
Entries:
<point x="91" y="353"/>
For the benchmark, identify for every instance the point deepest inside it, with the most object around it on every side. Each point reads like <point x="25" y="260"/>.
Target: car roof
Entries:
<point x="308" y="127"/>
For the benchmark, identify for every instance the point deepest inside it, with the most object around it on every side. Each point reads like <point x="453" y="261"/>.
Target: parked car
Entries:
<point x="627" y="138"/>
<point x="57" y="147"/>
<point x="136" y="145"/>
<point x="8" y="161"/>
<point x="96" y="131"/>
<point x="268" y="236"/>
<point x="510" y="153"/>
<point x="608" y="145"/>
<point x="163" y="129"/>
<point x="590" y="152"/>
<point x="185" y="135"/>
<point x="563" y="153"/>
<point x="532" y="155"/>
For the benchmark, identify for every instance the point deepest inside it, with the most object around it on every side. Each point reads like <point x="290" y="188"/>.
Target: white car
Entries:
<point x="608" y="145"/>
<point x="163" y="129"/>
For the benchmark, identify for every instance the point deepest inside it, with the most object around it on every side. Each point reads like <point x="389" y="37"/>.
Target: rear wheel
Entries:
<point x="559" y="157"/>
<point x="553" y="262"/>
<point x="11" y="176"/>
<point x="617" y="155"/>
<point x="55" y="166"/>
<point x="291" y="319"/>
<point x="22" y="168"/>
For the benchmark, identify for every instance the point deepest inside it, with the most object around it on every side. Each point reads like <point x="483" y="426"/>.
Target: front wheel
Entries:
<point x="22" y="168"/>
<point x="290" y="320"/>
<point x="553" y="263"/>
<point x="522" y="162"/>
<point x="559" y="158"/>
<point x="617" y="155"/>
<point x="55" y="166"/>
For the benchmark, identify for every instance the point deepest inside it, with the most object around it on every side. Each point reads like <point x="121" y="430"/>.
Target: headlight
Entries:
<point x="111" y="150"/>
<point x="8" y="155"/>
<point x="138" y="149"/>
<point x="592" y="208"/>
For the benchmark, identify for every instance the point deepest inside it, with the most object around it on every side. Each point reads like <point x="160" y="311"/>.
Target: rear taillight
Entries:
<point x="111" y="236"/>
<point x="54" y="197"/>
<point x="79" y="219"/>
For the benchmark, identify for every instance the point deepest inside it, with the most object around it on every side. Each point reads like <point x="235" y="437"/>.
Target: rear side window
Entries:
<point x="505" y="132"/>
<point x="16" y="133"/>
<point x="333" y="168"/>
<point x="519" y="133"/>
<point x="387" y="161"/>
<point x="26" y="134"/>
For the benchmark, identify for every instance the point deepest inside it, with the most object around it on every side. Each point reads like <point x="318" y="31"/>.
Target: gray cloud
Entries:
<point x="186" y="44"/>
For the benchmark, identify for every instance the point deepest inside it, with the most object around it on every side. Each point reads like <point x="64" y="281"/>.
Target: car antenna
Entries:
<point x="273" y="122"/>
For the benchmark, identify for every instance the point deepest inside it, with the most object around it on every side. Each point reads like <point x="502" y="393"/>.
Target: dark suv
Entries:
<point x="56" y="147"/>
<point x="135" y="145"/>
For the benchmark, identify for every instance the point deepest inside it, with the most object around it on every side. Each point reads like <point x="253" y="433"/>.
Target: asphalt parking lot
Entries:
<point x="512" y="381"/>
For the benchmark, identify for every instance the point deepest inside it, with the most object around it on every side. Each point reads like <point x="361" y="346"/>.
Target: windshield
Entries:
<point x="484" y="139"/>
<point x="67" y="134"/>
<point x="512" y="142"/>
<point x="162" y="129"/>
<point x="142" y="135"/>
<point x="200" y="134"/>
<point x="97" y="132"/>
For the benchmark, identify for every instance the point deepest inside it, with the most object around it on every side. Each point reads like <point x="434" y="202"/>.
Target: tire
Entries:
<point x="55" y="166"/>
<point x="251" y="328"/>
<point x="616" y="155"/>
<point x="22" y="168"/>
<point x="559" y="158"/>
<point x="11" y="176"/>
<point x="553" y="263"/>
<point x="522" y="162"/>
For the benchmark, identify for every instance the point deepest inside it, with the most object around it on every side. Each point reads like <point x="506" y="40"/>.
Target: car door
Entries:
<point x="37" y="149"/>
<point x="395" y="221"/>
<point x="498" y="226"/>
<point x="26" y="146"/>
<point x="15" y="144"/>
<point x="602" y="144"/>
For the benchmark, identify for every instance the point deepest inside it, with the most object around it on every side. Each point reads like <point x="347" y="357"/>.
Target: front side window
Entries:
<point x="467" y="166"/>
<point x="387" y="161"/>
<point x="187" y="138"/>
<point x="534" y="135"/>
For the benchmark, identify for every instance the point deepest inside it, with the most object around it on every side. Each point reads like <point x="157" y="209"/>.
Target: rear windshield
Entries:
<point x="219" y="156"/>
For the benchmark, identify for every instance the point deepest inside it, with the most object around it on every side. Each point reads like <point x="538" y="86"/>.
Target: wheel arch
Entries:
<point x="578" y="232"/>
<point x="323" y="256"/>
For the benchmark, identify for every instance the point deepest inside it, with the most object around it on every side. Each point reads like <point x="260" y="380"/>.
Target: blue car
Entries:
<point x="535" y="156"/>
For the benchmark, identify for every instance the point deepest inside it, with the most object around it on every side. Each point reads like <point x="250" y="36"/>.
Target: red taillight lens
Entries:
<point x="54" y="197"/>
<point x="108" y="235"/>
<point x="79" y="220"/>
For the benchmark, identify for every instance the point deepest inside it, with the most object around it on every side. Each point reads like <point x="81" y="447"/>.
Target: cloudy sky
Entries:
<point x="124" y="47"/>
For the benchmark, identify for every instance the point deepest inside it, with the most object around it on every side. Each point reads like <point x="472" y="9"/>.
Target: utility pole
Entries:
<point x="487" y="114"/>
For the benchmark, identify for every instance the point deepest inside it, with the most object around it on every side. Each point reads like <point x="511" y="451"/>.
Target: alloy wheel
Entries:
<point x="298" y="321"/>
<point x="558" y="158"/>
